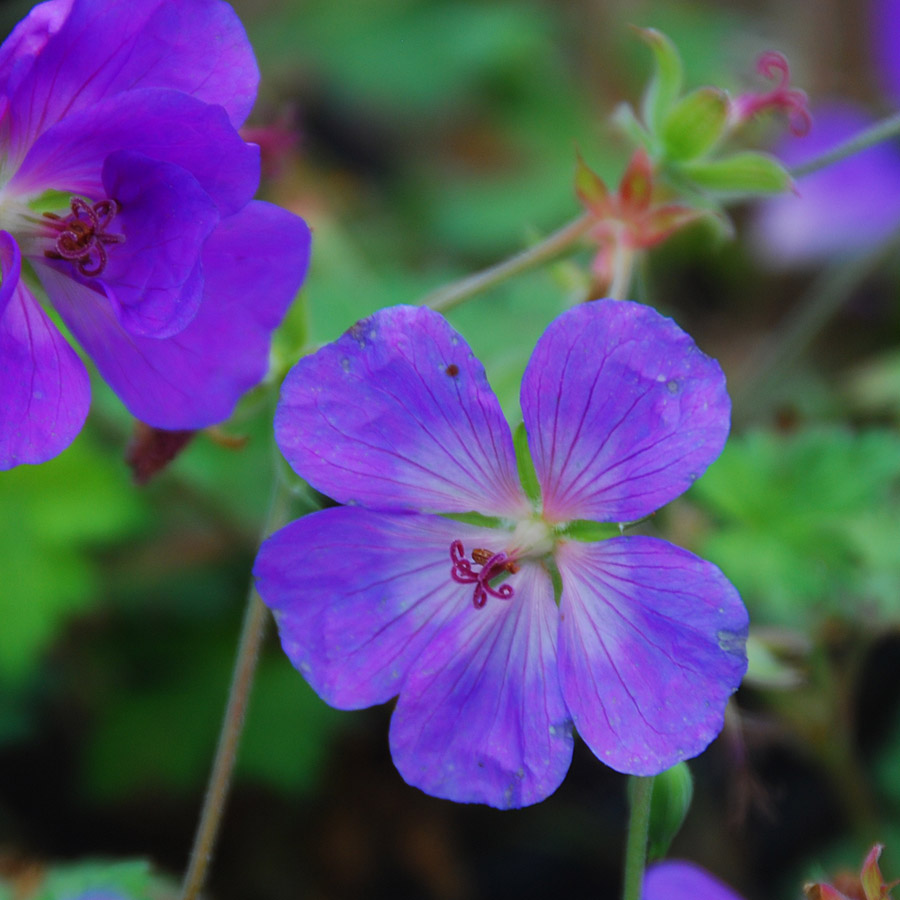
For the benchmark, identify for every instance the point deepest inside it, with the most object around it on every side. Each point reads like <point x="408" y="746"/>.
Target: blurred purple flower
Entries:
<point x="884" y="31"/>
<point x="838" y="210"/>
<point x="677" y="880"/>
<point x="501" y="630"/>
<point x="854" y="204"/>
<point x="126" y="191"/>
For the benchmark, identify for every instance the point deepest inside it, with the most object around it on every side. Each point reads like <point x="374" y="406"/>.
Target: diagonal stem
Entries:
<point x="458" y="292"/>
<point x="253" y="632"/>
<point x="869" y="137"/>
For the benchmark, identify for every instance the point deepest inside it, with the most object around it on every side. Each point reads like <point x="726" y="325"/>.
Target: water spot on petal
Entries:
<point x="345" y="364"/>
<point x="673" y="386"/>
<point x="732" y="641"/>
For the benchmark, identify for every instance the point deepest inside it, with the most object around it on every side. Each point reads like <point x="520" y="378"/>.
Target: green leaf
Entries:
<point x="747" y="173"/>
<point x="695" y="124"/>
<point x="666" y="81"/>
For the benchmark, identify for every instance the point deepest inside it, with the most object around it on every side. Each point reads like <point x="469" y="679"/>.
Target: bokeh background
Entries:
<point x="422" y="140"/>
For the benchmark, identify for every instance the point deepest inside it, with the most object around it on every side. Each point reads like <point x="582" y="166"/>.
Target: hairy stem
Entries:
<point x="876" y="134"/>
<point x="459" y="291"/>
<point x="640" y="793"/>
<point x="253" y="632"/>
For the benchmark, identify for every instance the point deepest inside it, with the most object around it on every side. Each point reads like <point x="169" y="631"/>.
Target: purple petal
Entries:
<point x="153" y="278"/>
<point x="838" y="210"/>
<point x="677" y="880"/>
<point x="254" y="263"/>
<point x="27" y="40"/>
<point x="358" y="594"/>
<point x="622" y="411"/>
<point x="480" y="718"/>
<point x="165" y="125"/>
<point x="104" y="48"/>
<point x="44" y="385"/>
<point x="398" y="414"/>
<point x="884" y="26"/>
<point x="651" y="648"/>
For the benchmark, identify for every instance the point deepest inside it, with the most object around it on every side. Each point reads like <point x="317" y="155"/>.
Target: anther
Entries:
<point x="81" y="237"/>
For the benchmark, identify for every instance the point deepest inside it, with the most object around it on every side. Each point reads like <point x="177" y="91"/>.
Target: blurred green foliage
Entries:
<point x="808" y="523"/>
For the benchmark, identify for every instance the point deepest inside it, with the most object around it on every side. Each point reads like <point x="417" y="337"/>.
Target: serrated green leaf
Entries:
<point x="666" y="81"/>
<point x="805" y="519"/>
<point x="694" y="124"/>
<point x="747" y="173"/>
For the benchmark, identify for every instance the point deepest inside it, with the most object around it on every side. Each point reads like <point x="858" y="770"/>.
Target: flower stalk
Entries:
<point x="640" y="794"/>
<point x="253" y="632"/>
<point x="458" y="292"/>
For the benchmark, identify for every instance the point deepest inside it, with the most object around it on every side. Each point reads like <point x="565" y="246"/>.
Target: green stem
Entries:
<point x="876" y="134"/>
<point x="253" y="632"/>
<point x="641" y="791"/>
<point x="453" y="294"/>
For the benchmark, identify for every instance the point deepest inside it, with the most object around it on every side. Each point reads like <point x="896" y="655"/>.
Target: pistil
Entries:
<point x="492" y="565"/>
<point x="81" y="237"/>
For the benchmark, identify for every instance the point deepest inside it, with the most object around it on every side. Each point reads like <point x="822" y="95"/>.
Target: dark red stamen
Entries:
<point x="492" y="565"/>
<point x="81" y="237"/>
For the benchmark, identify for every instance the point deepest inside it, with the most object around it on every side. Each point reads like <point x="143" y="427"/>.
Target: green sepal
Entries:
<point x="694" y="125"/>
<point x="670" y="801"/>
<point x="665" y="84"/>
<point x="52" y="202"/>
<point x="525" y="465"/>
<point x="742" y="173"/>
<point x="555" y="578"/>
<point x="589" y="188"/>
<point x="588" y="531"/>
<point x="476" y="518"/>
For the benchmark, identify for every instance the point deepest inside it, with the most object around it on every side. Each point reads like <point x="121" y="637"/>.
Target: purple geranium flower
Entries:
<point x="501" y="629"/>
<point x="678" y="880"/>
<point x="126" y="191"/>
